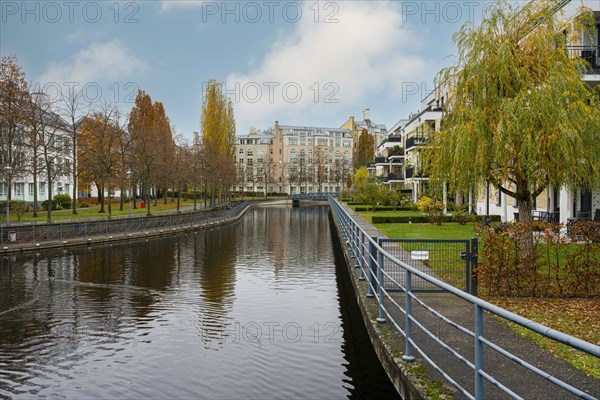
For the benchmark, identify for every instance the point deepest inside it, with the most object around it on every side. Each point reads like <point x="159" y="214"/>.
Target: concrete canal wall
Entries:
<point x="409" y="379"/>
<point x="187" y="222"/>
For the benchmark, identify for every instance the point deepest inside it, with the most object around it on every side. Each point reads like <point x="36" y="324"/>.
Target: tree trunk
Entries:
<point x="101" y="197"/>
<point x="109" y="199"/>
<point x="178" y="197"/>
<point x="122" y="200"/>
<point x="195" y="197"/>
<point x="148" y="200"/>
<point x="74" y="175"/>
<point x="35" y="191"/>
<point x="134" y="197"/>
<point x="49" y="215"/>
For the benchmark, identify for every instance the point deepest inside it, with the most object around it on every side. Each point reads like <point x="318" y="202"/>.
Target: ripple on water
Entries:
<point x="247" y="311"/>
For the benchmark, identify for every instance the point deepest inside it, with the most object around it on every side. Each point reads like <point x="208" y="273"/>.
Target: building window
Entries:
<point x="292" y="155"/>
<point x="42" y="188"/>
<point x="30" y="188"/>
<point x="498" y="196"/>
<point x="292" y="142"/>
<point x="67" y="188"/>
<point x="3" y="189"/>
<point x="19" y="189"/>
<point x="303" y="155"/>
<point x="346" y="143"/>
<point x="346" y="156"/>
<point x="259" y="156"/>
<point x="241" y="151"/>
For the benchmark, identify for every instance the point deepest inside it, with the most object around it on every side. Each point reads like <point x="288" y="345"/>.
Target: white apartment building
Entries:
<point x="20" y="175"/>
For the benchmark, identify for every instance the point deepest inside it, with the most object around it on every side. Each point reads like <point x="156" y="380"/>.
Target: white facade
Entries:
<point x="21" y="176"/>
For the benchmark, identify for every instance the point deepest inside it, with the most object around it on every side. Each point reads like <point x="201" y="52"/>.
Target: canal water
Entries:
<point x="256" y="309"/>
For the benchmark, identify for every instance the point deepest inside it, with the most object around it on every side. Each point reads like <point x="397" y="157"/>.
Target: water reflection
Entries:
<point x="247" y="310"/>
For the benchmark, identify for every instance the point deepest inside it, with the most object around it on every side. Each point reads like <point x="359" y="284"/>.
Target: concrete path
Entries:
<point x="526" y="384"/>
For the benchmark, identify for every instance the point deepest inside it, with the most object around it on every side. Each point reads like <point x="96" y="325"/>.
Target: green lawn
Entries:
<point x="93" y="212"/>
<point x="450" y="230"/>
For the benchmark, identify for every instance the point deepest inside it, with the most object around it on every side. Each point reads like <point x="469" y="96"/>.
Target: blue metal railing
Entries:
<point x="371" y="258"/>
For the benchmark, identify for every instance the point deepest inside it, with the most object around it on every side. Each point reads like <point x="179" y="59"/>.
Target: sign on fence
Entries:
<point x="419" y="255"/>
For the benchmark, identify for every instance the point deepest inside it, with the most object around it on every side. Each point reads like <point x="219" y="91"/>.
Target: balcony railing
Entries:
<point x="380" y="160"/>
<point x="591" y="54"/>
<point x="415" y="141"/>
<point x="411" y="173"/>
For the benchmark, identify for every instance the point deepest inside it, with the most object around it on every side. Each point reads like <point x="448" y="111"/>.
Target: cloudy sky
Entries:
<point x="302" y="63"/>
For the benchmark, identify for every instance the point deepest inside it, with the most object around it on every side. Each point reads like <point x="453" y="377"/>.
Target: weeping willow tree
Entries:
<point x="518" y="114"/>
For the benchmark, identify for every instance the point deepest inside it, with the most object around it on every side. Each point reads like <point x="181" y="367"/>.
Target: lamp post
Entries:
<point x="129" y="173"/>
<point x="8" y="170"/>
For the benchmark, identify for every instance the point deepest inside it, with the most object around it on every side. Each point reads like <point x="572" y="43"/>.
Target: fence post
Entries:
<point x="474" y="264"/>
<point x="380" y="261"/>
<point x="408" y="325"/>
<point x="478" y="352"/>
<point x="362" y="256"/>
<point x="355" y="246"/>
<point x="372" y="286"/>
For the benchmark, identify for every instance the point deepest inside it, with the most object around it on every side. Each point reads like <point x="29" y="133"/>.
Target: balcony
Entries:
<point x="393" y="178"/>
<point x="380" y="160"/>
<point x="411" y="173"/>
<point x="415" y="141"/>
<point x="591" y="54"/>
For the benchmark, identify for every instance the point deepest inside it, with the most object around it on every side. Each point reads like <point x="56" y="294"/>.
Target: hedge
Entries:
<point x="421" y="219"/>
<point x="363" y="208"/>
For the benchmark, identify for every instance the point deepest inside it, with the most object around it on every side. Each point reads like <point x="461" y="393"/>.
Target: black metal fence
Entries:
<point x="19" y="235"/>
<point x="451" y="261"/>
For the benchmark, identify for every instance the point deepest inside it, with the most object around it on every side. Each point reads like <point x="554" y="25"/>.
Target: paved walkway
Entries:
<point x="524" y="383"/>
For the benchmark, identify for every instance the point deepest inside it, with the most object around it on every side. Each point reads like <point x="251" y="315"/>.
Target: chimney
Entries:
<point x="367" y="114"/>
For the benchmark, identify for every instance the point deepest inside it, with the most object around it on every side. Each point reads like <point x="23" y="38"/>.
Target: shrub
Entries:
<point x="555" y="265"/>
<point x="64" y="200"/>
<point x="462" y="216"/>
<point x="433" y="208"/>
<point x="82" y="204"/>
<point x="55" y="205"/>
<point x="17" y="207"/>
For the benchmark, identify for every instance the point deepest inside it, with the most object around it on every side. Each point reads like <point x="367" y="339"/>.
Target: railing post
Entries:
<point x="478" y="352"/>
<point x="372" y="286"/>
<point x="474" y="265"/>
<point x="362" y="256"/>
<point x="355" y="244"/>
<point x="408" y="325"/>
<point x="380" y="261"/>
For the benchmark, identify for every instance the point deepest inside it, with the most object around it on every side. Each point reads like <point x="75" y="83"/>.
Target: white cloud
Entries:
<point x="99" y="62"/>
<point x="367" y="52"/>
<point x="171" y="4"/>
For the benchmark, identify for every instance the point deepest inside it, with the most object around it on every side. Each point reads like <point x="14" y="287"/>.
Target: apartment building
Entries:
<point x="379" y="131"/>
<point x="294" y="159"/>
<point x="398" y="162"/>
<point x="20" y="174"/>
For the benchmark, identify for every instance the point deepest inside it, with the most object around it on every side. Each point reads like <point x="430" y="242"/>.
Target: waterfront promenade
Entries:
<point x="414" y="381"/>
<point x="100" y="230"/>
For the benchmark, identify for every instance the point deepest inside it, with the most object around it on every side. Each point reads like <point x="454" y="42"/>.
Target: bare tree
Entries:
<point x="74" y="110"/>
